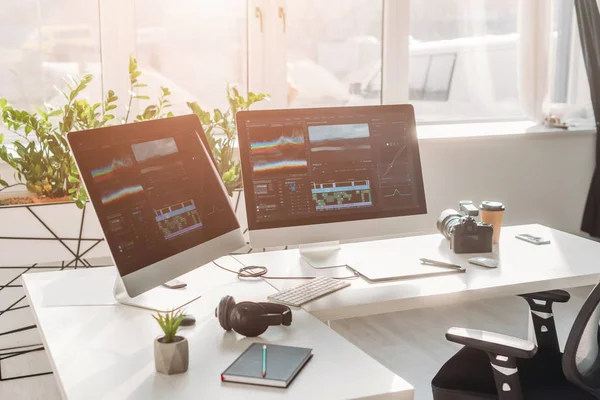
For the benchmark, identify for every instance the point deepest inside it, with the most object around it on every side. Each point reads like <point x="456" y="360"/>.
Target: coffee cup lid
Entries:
<point x="491" y="206"/>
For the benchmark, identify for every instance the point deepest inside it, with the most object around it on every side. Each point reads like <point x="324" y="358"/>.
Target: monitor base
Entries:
<point x="322" y="255"/>
<point x="159" y="299"/>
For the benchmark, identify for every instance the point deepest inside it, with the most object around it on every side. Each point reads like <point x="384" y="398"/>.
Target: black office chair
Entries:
<point x="581" y="361"/>
<point x="495" y="366"/>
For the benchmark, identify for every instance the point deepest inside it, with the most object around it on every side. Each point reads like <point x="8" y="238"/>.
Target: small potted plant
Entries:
<point x="171" y="352"/>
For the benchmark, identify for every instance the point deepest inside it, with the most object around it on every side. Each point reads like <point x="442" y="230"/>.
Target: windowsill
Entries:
<point x="496" y="129"/>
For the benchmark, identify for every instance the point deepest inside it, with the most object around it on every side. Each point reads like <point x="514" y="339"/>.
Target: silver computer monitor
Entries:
<point x="160" y="201"/>
<point x="329" y="174"/>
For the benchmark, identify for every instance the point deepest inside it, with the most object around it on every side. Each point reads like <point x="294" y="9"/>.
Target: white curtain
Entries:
<point x="534" y="63"/>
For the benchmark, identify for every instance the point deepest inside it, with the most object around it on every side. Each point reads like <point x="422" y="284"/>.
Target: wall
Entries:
<point x="540" y="178"/>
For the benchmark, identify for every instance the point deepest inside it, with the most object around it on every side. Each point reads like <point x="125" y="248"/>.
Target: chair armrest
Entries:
<point x="557" y="296"/>
<point x="491" y="342"/>
<point x="503" y="352"/>
<point x="542" y="317"/>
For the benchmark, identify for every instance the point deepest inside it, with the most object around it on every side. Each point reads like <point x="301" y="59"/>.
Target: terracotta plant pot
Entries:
<point x="40" y="200"/>
<point x="171" y="358"/>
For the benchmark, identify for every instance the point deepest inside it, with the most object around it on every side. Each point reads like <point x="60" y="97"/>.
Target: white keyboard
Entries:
<point x="309" y="291"/>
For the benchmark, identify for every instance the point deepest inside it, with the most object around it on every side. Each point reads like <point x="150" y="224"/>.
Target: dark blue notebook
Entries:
<point x="283" y="364"/>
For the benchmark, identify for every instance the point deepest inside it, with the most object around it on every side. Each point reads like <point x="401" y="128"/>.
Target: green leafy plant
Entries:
<point x="41" y="156"/>
<point x="221" y="133"/>
<point x="169" y="323"/>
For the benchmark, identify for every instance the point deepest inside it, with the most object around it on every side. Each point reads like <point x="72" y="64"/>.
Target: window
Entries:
<point x="463" y="59"/>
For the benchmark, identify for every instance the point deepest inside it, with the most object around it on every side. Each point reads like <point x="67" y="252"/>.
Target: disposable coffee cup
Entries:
<point x="492" y="213"/>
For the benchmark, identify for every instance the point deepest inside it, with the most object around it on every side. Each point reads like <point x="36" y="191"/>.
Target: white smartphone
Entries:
<point x="532" y="239"/>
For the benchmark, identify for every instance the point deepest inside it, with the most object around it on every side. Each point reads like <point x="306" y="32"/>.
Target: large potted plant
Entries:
<point x="41" y="156"/>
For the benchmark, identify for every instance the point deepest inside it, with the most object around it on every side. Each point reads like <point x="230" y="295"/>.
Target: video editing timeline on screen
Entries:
<point x="331" y="165"/>
<point x="341" y="195"/>
<point x="157" y="194"/>
<point x="178" y="219"/>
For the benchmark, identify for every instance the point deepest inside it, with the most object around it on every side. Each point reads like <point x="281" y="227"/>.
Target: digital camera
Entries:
<point x="465" y="233"/>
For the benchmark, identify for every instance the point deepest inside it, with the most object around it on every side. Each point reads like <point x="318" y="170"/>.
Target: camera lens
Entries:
<point x="447" y="220"/>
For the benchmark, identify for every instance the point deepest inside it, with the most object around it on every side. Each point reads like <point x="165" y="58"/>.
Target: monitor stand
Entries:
<point x="158" y="299"/>
<point x="322" y="255"/>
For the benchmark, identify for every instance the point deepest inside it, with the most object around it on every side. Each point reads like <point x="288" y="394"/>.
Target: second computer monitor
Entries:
<point x="160" y="201"/>
<point x="329" y="174"/>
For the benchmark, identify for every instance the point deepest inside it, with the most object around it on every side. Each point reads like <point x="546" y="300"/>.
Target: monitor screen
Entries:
<point x="314" y="166"/>
<point x="154" y="187"/>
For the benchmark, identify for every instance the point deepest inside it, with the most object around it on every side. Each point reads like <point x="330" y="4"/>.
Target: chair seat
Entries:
<point x="468" y="376"/>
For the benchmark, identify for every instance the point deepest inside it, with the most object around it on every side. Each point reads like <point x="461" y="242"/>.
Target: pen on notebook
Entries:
<point x="441" y="264"/>
<point x="264" y="361"/>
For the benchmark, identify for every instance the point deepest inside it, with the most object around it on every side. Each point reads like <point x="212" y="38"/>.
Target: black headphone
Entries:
<point x="251" y="319"/>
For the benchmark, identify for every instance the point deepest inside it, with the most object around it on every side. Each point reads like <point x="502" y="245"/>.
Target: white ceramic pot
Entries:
<point x="171" y="358"/>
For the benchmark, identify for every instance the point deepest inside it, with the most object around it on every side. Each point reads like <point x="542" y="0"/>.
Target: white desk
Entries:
<point x="106" y="352"/>
<point x="569" y="261"/>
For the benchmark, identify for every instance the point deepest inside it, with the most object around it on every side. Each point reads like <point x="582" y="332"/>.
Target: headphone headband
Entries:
<point x="278" y="313"/>
<point x="251" y="319"/>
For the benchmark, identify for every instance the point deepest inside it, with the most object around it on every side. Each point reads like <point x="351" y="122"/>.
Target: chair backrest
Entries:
<point x="581" y="361"/>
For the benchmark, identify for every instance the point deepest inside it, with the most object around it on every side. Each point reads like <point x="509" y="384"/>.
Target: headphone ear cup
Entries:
<point x="246" y="319"/>
<point x="226" y="304"/>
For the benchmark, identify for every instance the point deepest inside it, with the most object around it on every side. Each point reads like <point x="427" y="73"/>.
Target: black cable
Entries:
<point x="255" y="271"/>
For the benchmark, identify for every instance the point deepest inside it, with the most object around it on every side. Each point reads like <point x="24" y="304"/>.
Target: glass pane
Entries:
<point x="418" y="76"/>
<point x="439" y="76"/>
<point x="562" y="39"/>
<point x="194" y="47"/>
<point x="42" y="41"/>
<point x="463" y="59"/>
<point x="333" y="52"/>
